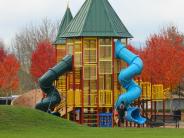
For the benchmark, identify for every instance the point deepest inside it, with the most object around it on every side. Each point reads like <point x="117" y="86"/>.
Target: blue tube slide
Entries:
<point x="133" y="90"/>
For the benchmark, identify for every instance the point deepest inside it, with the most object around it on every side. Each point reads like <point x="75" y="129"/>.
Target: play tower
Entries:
<point x="91" y="89"/>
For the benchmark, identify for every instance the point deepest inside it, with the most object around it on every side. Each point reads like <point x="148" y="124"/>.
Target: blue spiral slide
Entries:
<point x="133" y="90"/>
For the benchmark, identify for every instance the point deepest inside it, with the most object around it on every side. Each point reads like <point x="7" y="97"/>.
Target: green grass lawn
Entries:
<point x="28" y="123"/>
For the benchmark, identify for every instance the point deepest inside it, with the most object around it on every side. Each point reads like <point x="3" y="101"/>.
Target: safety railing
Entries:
<point x="157" y="92"/>
<point x="70" y="97"/>
<point x="146" y="90"/>
<point x="105" y="98"/>
<point x="90" y="100"/>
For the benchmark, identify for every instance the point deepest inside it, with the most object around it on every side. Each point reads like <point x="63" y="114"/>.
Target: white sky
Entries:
<point x="141" y="17"/>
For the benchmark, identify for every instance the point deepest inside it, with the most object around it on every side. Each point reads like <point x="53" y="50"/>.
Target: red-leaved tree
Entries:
<point x="43" y="58"/>
<point x="133" y="49"/>
<point x="164" y="58"/>
<point x="9" y="67"/>
<point x="2" y="54"/>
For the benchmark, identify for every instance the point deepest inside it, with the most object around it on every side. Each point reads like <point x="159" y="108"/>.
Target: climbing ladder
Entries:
<point x="90" y="117"/>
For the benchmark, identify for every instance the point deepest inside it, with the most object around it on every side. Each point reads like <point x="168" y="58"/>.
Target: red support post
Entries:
<point x="97" y="86"/>
<point x="164" y="109"/>
<point x="146" y="109"/>
<point x="66" y="100"/>
<point x="82" y="84"/>
<point x="113" y="78"/>
<point x="139" y="101"/>
<point x="74" y="87"/>
<point x="151" y="112"/>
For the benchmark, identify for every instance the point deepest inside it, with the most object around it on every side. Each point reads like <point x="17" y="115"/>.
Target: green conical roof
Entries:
<point x="96" y="18"/>
<point x="64" y="23"/>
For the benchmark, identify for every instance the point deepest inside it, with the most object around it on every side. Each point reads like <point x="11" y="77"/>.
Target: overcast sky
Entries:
<point x="141" y="17"/>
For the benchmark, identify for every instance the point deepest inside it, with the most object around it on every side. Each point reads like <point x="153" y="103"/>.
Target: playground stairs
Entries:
<point x="62" y="109"/>
<point x="90" y="117"/>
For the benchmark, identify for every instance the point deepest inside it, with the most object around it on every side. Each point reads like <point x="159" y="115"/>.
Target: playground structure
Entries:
<point x="90" y="90"/>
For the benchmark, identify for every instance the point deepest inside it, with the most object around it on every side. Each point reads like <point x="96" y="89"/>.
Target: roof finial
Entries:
<point x="67" y="3"/>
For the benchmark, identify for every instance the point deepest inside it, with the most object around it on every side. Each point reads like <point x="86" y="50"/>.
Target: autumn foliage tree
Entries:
<point x="163" y="57"/>
<point x="2" y="54"/>
<point x="9" y="67"/>
<point x="133" y="49"/>
<point x="43" y="58"/>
